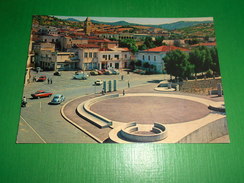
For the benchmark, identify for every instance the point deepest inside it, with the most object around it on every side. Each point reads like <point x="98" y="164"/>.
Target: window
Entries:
<point x="105" y="57"/>
<point x="154" y="58"/>
<point x="86" y="55"/>
<point x="109" y="57"/>
<point x="143" y="57"/>
<point x="116" y="56"/>
<point x="125" y="56"/>
<point x="90" y="54"/>
<point x="110" y="64"/>
<point x="148" y="57"/>
<point x="94" y="55"/>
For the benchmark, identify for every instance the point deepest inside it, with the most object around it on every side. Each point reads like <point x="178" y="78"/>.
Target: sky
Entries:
<point x="145" y="21"/>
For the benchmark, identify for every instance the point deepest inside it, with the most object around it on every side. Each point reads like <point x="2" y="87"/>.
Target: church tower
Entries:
<point x="87" y="26"/>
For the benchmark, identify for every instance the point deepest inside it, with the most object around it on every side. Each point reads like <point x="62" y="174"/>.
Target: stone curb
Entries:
<point x="73" y="123"/>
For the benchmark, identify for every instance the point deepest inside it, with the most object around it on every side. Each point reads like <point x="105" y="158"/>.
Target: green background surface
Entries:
<point x="117" y="162"/>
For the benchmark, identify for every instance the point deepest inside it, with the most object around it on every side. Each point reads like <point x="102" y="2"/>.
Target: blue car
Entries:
<point x="57" y="99"/>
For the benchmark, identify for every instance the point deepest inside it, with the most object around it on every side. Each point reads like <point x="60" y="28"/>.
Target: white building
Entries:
<point x="92" y="57"/>
<point x="117" y="58"/>
<point x="154" y="56"/>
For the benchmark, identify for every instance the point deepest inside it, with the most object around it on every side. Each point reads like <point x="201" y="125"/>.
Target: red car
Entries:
<point x="42" y="78"/>
<point x="100" y="72"/>
<point x="41" y="93"/>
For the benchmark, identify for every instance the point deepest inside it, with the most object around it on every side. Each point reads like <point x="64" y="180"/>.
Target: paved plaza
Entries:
<point x="43" y="123"/>
<point x="147" y="110"/>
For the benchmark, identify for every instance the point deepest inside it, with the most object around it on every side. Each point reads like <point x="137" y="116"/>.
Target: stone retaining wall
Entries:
<point x="199" y="86"/>
<point x="207" y="133"/>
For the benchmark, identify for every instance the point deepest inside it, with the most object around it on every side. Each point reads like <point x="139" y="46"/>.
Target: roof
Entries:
<point x="205" y="44"/>
<point x="87" y="46"/>
<point x="165" y="49"/>
<point x="102" y="41"/>
<point x="120" y="49"/>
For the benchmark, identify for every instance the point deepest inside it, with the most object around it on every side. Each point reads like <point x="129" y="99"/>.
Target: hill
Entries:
<point x="54" y="21"/>
<point x="199" y="30"/>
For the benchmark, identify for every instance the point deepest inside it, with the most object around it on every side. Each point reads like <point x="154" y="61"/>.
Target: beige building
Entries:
<point x="68" y="42"/>
<point x="88" y="55"/>
<point x="50" y="38"/>
<point x="173" y="42"/>
<point x="37" y="47"/>
<point x="104" y="43"/>
<point x="57" y="60"/>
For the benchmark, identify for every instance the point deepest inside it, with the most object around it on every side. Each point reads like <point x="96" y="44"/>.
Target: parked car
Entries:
<point x="81" y="76"/>
<point x="93" y="73"/>
<point x="139" y="71"/>
<point x="57" y="99"/>
<point x="98" y="82"/>
<point x="41" y="93"/>
<point x="42" y="78"/>
<point x="38" y="69"/>
<point x="115" y="72"/>
<point x="57" y="73"/>
<point x="100" y="72"/>
<point x="78" y="72"/>
<point x="108" y="72"/>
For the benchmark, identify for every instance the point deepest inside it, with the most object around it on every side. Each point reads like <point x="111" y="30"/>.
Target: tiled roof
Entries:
<point x="166" y="48"/>
<point x="205" y="44"/>
<point x="87" y="46"/>
<point x="101" y="41"/>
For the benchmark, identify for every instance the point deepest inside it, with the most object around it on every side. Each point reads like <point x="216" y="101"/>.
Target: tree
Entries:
<point x="177" y="43"/>
<point x="138" y="63"/>
<point x="128" y="43"/>
<point x="159" y="41"/>
<point x="132" y="64"/>
<point x="177" y="64"/>
<point x="149" y="42"/>
<point x="142" y="47"/>
<point x="202" y="59"/>
<point x="208" y="62"/>
<point x="146" y="65"/>
<point x="196" y="59"/>
<point x="215" y="61"/>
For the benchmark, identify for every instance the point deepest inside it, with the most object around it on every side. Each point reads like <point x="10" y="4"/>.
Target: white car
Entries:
<point x="98" y="82"/>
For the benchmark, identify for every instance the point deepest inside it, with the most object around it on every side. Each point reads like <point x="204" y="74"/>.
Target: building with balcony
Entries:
<point x="57" y="60"/>
<point x="93" y="57"/>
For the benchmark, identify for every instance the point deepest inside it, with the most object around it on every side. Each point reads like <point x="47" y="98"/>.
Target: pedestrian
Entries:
<point x="122" y="77"/>
<point x="123" y="92"/>
<point x="128" y="84"/>
<point x="128" y="72"/>
<point x="48" y="80"/>
<point x="51" y="81"/>
<point x="103" y="92"/>
<point x="24" y="102"/>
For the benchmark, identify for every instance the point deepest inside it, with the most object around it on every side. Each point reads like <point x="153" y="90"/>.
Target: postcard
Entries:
<point x="122" y="80"/>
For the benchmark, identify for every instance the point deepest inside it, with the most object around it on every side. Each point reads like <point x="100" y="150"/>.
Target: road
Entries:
<point x="43" y="123"/>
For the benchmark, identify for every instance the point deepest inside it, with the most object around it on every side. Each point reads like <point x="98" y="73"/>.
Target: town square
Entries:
<point x="109" y="81"/>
